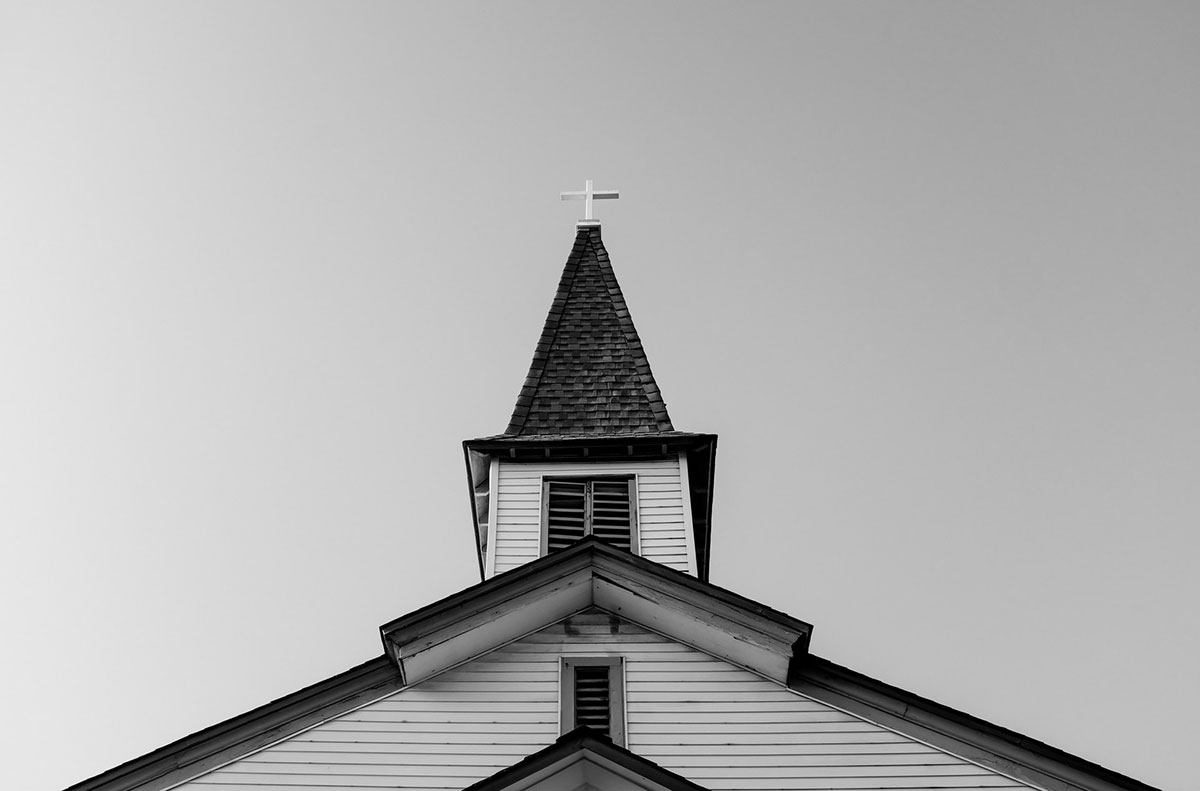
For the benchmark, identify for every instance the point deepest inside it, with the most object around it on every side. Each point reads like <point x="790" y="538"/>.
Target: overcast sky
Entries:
<point x="930" y="270"/>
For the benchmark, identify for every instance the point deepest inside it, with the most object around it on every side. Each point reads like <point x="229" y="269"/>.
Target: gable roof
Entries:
<point x="584" y="758"/>
<point x="589" y="374"/>
<point x="671" y="603"/>
<point x="589" y="574"/>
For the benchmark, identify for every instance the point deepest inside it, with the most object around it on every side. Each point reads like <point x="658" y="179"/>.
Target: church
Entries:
<point x="595" y="653"/>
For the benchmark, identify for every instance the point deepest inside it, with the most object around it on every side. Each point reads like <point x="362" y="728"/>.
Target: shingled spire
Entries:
<point x="589" y="375"/>
<point x="590" y="452"/>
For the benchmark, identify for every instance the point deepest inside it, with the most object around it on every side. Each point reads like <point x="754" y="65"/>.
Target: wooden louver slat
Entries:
<point x="592" y="699"/>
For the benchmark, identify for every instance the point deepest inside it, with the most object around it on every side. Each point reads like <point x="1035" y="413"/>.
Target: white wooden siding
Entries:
<point x="663" y="533"/>
<point x="716" y="724"/>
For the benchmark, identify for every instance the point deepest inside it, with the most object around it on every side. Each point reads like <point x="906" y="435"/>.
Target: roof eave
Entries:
<point x="218" y="744"/>
<point x="586" y="446"/>
<point x="992" y="746"/>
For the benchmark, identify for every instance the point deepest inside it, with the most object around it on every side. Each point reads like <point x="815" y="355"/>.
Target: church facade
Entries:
<point x="595" y="653"/>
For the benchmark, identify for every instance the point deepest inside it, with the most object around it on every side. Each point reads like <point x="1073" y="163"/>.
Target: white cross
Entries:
<point x="588" y="195"/>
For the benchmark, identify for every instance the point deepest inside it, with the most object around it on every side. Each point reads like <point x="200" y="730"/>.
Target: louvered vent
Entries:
<point x="592" y="699"/>
<point x="610" y="513"/>
<point x="578" y="507"/>
<point x="566" y="507"/>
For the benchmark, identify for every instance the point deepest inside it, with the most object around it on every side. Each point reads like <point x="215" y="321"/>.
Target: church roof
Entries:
<point x="589" y="374"/>
<point x="661" y="590"/>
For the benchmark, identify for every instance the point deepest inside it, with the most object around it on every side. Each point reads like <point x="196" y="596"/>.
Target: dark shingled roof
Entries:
<point x="589" y="374"/>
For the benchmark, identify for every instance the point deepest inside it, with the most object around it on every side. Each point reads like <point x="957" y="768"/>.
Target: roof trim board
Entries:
<point x="584" y="758"/>
<point x="991" y="746"/>
<point x="593" y="574"/>
<point x="238" y="736"/>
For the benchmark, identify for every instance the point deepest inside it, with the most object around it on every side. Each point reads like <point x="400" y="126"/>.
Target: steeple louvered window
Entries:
<point x="603" y="507"/>
<point x="593" y="694"/>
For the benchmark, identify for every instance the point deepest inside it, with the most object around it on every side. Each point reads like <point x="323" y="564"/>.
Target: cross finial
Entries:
<point x="587" y="196"/>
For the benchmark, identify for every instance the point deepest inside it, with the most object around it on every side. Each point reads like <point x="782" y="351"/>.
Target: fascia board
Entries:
<point x="467" y="603"/>
<point x="769" y="628"/>
<point x="234" y="738"/>
<point x="489" y="629"/>
<point x="599" y="772"/>
<point x="566" y="772"/>
<point x="956" y="732"/>
<point x="689" y="624"/>
<point x="661" y="445"/>
<point x="584" y="759"/>
<point x="708" y="618"/>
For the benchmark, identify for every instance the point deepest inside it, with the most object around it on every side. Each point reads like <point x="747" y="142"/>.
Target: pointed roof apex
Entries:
<point x="589" y="374"/>
<point x="590" y="756"/>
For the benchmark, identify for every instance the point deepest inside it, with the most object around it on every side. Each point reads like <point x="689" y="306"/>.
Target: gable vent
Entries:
<point x="593" y="694"/>
<point x="592" y="701"/>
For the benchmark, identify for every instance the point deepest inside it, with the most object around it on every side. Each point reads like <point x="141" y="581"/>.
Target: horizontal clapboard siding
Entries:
<point x="445" y="733"/>
<point x="716" y="724"/>
<point x="662" y="530"/>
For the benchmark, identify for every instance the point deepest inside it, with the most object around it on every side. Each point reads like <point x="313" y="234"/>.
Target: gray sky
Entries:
<point x="930" y="270"/>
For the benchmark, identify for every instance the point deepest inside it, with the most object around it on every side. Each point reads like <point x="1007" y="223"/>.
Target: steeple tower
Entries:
<point x="590" y="449"/>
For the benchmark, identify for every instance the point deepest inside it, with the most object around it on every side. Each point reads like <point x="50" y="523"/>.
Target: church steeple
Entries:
<point x="589" y="374"/>
<point x="590" y="449"/>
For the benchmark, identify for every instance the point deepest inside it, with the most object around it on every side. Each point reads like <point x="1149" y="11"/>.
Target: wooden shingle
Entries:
<point x="589" y="374"/>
